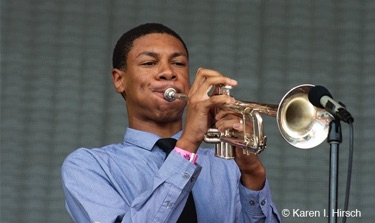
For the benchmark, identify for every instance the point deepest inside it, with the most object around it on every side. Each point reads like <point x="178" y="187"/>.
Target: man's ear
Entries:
<point x="118" y="79"/>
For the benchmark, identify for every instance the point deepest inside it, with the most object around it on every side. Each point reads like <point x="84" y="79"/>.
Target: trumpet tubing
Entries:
<point x="300" y="123"/>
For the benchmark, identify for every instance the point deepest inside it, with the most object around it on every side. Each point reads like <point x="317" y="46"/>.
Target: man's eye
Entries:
<point x="149" y="63"/>
<point x="179" y="63"/>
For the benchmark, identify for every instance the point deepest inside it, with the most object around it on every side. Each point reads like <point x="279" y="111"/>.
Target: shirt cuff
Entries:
<point x="183" y="177"/>
<point x="256" y="203"/>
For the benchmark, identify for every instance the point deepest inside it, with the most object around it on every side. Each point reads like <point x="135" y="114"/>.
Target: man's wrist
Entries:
<point x="254" y="181"/>
<point x="187" y="145"/>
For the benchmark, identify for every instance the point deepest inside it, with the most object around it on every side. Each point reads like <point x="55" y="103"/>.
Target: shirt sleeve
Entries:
<point x="91" y="197"/>
<point x="173" y="185"/>
<point x="257" y="206"/>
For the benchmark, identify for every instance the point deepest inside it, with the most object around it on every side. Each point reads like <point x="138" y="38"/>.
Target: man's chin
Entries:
<point x="169" y="117"/>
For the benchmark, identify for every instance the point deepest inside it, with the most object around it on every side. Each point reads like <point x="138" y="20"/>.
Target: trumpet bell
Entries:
<point x="300" y="123"/>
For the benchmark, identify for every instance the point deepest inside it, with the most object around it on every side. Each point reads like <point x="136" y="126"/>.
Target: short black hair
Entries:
<point x="125" y="43"/>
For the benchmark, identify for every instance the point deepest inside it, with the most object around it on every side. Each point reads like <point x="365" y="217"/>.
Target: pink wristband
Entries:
<point x="192" y="157"/>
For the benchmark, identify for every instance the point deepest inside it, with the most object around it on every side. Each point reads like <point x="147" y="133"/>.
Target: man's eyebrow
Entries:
<point x="177" y="54"/>
<point x="154" y="54"/>
<point x="148" y="53"/>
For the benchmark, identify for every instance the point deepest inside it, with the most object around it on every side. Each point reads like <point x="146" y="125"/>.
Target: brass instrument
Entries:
<point x="300" y="123"/>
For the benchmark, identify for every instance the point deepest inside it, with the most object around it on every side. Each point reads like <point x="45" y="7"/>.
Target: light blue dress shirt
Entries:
<point x="131" y="182"/>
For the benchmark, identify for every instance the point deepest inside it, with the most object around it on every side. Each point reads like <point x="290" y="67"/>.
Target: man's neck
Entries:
<point x="164" y="130"/>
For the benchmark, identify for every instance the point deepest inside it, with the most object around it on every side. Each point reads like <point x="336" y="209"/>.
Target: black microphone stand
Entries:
<point x="334" y="139"/>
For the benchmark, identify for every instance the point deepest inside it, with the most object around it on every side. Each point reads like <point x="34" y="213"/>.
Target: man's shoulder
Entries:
<point x="88" y="155"/>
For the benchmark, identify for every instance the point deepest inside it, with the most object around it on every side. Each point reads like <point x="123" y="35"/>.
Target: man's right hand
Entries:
<point x="199" y="105"/>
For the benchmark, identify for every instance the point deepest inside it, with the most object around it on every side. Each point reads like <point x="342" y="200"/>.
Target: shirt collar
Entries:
<point x="145" y="140"/>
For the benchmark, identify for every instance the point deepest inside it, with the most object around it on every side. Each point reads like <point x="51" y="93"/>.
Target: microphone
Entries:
<point x="320" y="97"/>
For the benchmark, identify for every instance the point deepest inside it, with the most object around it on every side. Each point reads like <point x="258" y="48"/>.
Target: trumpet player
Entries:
<point x="139" y="179"/>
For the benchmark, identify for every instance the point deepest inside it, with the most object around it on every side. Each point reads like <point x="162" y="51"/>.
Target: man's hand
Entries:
<point x="199" y="105"/>
<point x="253" y="174"/>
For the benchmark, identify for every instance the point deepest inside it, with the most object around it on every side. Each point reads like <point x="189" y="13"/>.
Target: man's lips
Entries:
<point x="159" y="94"/>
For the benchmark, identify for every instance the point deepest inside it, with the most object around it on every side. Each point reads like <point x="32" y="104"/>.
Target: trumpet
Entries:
<point x="300" y="123"/>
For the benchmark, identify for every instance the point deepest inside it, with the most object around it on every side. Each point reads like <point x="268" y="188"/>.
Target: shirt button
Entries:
<point x="252" y="203"/>
<point x="169" y="204"/>
<point x="263" y="202"/>
<point x="186" y="176"/>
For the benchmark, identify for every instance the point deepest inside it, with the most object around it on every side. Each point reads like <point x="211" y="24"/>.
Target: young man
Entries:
<point x="136" y="181"/>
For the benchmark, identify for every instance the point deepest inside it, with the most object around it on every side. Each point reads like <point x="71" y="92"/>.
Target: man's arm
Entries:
<point x="92" y="194"/>
<point x="257" y="206"/>
<point x="255" y="194"/>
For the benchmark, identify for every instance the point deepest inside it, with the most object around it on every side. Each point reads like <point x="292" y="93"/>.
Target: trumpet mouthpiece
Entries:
<point x="170" y="94"/>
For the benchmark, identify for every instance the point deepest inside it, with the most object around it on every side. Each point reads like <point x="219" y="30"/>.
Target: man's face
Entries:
<point x="155" y="62"/>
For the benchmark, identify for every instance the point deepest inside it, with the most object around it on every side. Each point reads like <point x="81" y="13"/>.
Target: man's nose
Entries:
<point x="166" y="73"/>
